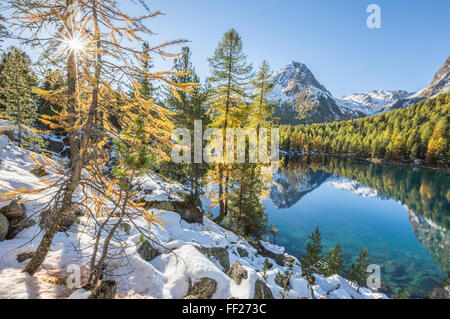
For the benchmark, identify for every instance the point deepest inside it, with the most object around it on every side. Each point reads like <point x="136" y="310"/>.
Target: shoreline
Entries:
<point x="370" y="160"/>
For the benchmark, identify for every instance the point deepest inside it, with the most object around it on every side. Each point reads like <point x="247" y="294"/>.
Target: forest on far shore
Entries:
<point x="418" y="132"/>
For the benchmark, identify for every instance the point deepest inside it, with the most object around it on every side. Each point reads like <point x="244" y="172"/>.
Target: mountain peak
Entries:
<point x="296" y="77"/>
<point x="301" y="98"/>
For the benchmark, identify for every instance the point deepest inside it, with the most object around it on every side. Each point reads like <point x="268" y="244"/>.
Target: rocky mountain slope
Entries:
<point x="299" y="98"/>
<point x="185" y="258"/>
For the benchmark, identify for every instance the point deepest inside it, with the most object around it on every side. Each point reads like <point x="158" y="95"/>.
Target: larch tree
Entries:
<point x="95" y="42"/>
<point x="246" y="215"/>
<point x="261" y="110"/>
<point x="16" y="91"/>
<point x="230" y="75"/>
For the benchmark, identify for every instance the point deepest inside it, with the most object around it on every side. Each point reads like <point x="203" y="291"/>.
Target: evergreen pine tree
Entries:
<point x="53" y="81"/>
<point x="335" y="261"/>
<point x="16" y="90"/>
<point x="358" y="273"/>
<point x="247" y="215"/>
<point x="147" y="89"/>
<point x="189" y="107"/>
<point x="312" y="262"/>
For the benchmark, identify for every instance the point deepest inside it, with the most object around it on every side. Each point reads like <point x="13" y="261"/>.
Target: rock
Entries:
<point x="4" y="226"/>
<point x="278" y="258"/>
<point x="189" y="214"/>
<point x="218" y="253"/>
<point x="147" y="252"/>
<point x="189" y="210"/>
<point x="262" y="291"/>
<point x="39" y="171"/>
<point x="242" y="252"/>
<point x="191" y="297"/>
<point x="55" y="146"/>
<point x="7" y="132"/>
<point x="125" y="227"/>
<point x="106" y="290"/>
<point x="237" y="273"/>
<point x="205" y="288"/>
<point x="13" y="210"/>
<point x="47" y="218"/>
<point x="24" y="256"/>
<point x="291" y="260"/>
<point x="17" y="225"/>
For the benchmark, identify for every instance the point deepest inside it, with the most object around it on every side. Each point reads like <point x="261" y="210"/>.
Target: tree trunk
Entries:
<point x="77" y="151"/>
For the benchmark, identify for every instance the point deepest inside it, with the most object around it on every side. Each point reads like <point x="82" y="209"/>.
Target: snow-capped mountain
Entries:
<point x="372" y="102"/>
<point x="300" y="98"/>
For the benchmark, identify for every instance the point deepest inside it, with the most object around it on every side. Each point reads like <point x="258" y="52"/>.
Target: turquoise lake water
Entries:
<point x="401" y="214"/>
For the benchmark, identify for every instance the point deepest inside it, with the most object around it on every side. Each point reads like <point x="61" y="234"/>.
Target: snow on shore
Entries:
<point x="186" y="253"/>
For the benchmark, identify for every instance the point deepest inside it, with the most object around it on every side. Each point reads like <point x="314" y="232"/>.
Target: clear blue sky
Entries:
<point x="330" y="37"/>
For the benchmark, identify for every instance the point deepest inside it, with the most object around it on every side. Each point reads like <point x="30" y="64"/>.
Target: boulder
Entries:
<point x="13" y="210"/>
<point x="191" y="297"/>
<point x="55" y="146"/>
<point x="291" y="260"/>
<point x="8" y="132"/>
<point x="242" y="252"/>
<point x="278" y="258"/>
<point x="237" y="273"/>
<point x="147" y="252"/>
<point x="205" y="288"/>
<point x="106" y="290"/>
<point x="17" y="225"/>
<point x="218" y="253"/>
<point x="4" y="226"/>
<point x="48" y="216"/>
<point x="24" y="256"/>
<point x="262" y="291"/>
<point x="189" y="213"/>
<point x="39" y="171"/>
